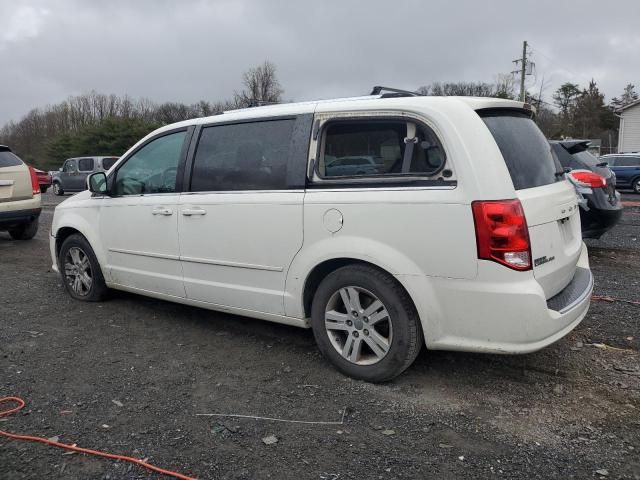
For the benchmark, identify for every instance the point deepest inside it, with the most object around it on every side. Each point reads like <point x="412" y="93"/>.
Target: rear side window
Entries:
<point x="379" y="148"/>
<point x="243" y="156"/>
<point x="9" y="159"/>
<point x="627" y="161"/>
<point x="85" y="164"/>
<point x="107" y="163"/>
<point x="525" y="150"/>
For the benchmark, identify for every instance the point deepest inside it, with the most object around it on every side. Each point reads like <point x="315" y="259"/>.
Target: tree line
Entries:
<point x="576" y="112"/>
<point x="99" y="124"/>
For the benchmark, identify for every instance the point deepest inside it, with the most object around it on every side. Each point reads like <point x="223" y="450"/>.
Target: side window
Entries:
<point x="627" y="161"/>
<point x="86" y="164"/>
<point x="243" y="156"/>
<point x="379" y="148"/>
<point x="108" y="162"/>
<point x="152" y="169"/>
<point x="69" y="166"/>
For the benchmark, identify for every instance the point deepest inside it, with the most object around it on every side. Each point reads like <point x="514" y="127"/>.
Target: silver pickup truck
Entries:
<point x="72" y="176"/>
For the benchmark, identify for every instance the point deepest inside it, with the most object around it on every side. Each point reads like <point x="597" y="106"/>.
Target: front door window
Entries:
<point x="153" y="168"/>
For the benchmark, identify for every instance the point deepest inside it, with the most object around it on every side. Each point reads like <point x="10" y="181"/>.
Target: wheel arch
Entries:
<point x="324" y="268"/>
<point x="76" y="224"/>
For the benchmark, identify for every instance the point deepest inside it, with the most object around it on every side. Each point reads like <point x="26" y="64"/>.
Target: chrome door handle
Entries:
<point x="162" y="211"/>
<point x="193" y="211"/>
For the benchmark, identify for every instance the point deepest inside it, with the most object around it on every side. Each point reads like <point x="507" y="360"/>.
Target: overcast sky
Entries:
<point x="191" y="50"/>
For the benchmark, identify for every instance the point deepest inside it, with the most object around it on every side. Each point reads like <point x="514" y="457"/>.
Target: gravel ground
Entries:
<point x="129" y="376"/>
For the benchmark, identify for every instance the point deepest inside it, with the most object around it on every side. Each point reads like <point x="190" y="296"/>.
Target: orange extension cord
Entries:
<point x="73" y="448"/>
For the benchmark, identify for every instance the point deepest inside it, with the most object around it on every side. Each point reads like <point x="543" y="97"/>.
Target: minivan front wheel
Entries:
<point x="57" y="189"/>
<point x="636" y="185"/>
<point x="365" y="323"/>
<point x="80" y="270"/>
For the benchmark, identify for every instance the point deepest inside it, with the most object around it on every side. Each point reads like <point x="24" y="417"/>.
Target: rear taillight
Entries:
<point x="501" y="233"/>
<point x="35" y="184"/>
<point x="588" y="178"/>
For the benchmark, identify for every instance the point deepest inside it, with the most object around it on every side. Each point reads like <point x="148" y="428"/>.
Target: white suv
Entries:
<point x="465" y="236"/>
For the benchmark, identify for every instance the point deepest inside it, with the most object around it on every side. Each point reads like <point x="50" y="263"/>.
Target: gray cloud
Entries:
<point x="190" y="50"/>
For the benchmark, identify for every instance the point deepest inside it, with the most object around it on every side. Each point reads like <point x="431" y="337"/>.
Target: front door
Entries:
<point x="139" y="222"/>
<point x="70" y="177"/>
<point x="241" y="223"/>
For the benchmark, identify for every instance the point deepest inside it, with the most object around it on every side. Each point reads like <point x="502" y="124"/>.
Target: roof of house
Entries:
<point x="629" y="105"/>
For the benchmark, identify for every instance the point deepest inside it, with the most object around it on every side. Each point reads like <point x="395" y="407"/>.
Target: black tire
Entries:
<point x="57" y="189"/>
<point x="97" y="290"/>
<point x="26" y="231"/>
<point x="403" y="321"/>
<point x="636" y="185"/>
<point x="44" y="188"/>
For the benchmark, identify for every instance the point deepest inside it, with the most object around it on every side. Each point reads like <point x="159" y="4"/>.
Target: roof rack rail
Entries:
<point x="393" y="92"/>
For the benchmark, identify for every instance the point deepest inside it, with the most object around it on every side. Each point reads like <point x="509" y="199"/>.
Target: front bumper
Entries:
<point x="53" y="252"/>
<point x="501" y="311"/>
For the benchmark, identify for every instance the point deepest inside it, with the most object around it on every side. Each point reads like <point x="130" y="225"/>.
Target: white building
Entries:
<point x="629" y="136"/>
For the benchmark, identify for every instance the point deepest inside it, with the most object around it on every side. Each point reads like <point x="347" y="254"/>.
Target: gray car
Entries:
<point x="72" y="176"/>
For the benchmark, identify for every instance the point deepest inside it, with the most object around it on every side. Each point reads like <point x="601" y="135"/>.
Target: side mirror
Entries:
<point x="97" y="183"/>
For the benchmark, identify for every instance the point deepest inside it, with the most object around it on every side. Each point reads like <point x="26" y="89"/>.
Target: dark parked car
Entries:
<point x="626" y="166"/>
<point x="595" y="182"/>
<point x="72" y="177"/>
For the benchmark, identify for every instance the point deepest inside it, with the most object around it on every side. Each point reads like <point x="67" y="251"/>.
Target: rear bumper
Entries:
<point x="501" y="311"/>
<point x="16" y="218"/>
<point x="596" y="222"/>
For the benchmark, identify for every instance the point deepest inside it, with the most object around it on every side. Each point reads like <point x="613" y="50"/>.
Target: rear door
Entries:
<point x="15" y="179"/>
<point x="627" y="168"/>
<point x="85" y="167"/>
<point x="549" y="201"/>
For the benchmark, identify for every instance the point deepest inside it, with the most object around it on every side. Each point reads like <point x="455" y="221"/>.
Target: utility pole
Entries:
<point x="523" y="62"/>
<point x="524" y="69"/>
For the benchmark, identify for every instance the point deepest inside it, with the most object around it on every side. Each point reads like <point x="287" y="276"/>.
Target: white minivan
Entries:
<point x="460" y="233"/>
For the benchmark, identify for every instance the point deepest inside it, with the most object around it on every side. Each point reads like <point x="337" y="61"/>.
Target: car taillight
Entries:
<point x="589" y="178"/>
<point x="501" y="233"/>
<point x="35" y="184"/>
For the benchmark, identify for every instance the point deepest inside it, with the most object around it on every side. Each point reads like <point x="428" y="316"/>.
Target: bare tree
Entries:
<point x="261" y="87"/>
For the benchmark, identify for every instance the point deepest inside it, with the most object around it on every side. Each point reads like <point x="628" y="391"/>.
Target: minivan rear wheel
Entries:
<point x="365" y="323"/>
<point x="80" y="270"/>
<point x="636" y="185"/>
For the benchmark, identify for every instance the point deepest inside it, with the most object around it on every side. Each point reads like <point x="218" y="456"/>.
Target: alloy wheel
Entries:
<point x="358" y="325"/>
<point x="77" y="271"/>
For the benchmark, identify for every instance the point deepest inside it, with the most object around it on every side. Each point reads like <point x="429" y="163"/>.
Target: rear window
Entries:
<point x="8" y="159"/>
<point x="588" y="159"/>
<point x="528" y="155"/>
<point x="107" y="163"/>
